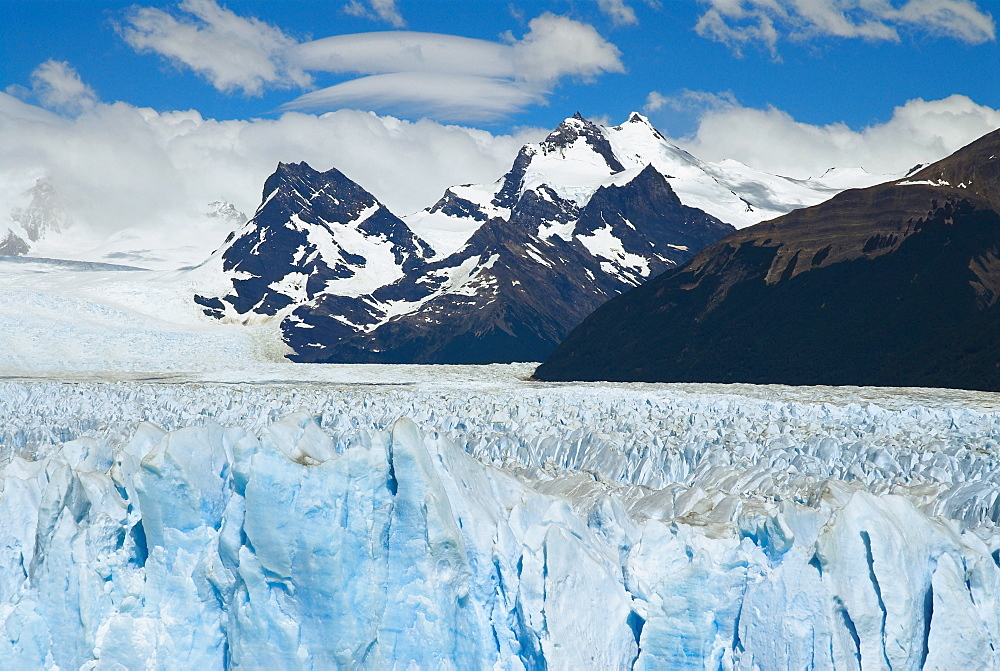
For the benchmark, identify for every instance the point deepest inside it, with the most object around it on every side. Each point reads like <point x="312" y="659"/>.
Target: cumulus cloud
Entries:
<point x="119" y="167"/>
<point x="379" y="10"/>
<point x="557" y="46"/>
<point x="619" y="11"/>
<point x="234" y="53"/>
<point x="919" y="131"/>
<point x="761" y="23"/>
<point x="57" y="86"/>
<point x="455" y="77"/>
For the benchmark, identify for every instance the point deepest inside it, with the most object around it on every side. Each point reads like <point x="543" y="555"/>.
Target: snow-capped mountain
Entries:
<point x="45" y="227"/>
<point x="517" y="285"/>
<point x="581" y="156"/>
<point x="893" y="285"/>
<point x="314" y="234"/>
<point x="45" y="215"/>
<point x="506" y="280"/>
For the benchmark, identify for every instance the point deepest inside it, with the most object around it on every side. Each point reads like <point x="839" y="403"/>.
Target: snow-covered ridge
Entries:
<point x="599" y="526"/>
<point x="581" y="156"/>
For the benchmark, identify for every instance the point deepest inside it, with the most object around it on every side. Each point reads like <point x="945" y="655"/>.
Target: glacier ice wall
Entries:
<point x="559" y="527"/>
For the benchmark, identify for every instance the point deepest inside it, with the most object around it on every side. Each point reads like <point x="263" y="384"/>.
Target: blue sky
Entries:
<point x="146" y="111"/>
<point x="805" y="69"/>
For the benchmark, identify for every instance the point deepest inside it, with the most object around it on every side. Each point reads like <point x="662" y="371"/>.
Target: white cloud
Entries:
<point x="234" y="53"/>
<point x="557" y="46"/>
<point x="442" y="96"/>
<point x="396" y="51"/>
<point x="382" y="10"/>
<point x="689" y="101"/>
<point x="761" y="23"/>
<point x="619" y="12"/>
<point x="449" y="77"/>
<point x="57" y="86"/>
<point x="452" y="77"/>
<point x="920" y="131"/>
<point x="119" y="166"/>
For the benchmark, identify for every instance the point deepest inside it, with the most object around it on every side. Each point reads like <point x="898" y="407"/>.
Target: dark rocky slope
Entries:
<point x="892" y="285"/>
<point x="352" y="283"/>
<point x="522" y="293"/>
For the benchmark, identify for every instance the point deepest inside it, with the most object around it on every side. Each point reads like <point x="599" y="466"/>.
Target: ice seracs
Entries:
<point x="494" y="526"/>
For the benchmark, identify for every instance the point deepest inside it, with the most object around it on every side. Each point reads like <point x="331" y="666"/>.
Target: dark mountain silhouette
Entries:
<point x="892" y="285"/>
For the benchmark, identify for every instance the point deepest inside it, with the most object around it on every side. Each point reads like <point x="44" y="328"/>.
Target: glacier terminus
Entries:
<point x="493" y="523"/>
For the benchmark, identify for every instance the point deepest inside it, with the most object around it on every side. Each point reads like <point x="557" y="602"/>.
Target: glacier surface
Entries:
<point x="432" y="519"/>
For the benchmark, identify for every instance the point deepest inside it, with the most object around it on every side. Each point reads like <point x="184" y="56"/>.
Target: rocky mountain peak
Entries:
<point x="45" y="213"/>
<point x="897" y="284"/>
<point x="575" y="128"/>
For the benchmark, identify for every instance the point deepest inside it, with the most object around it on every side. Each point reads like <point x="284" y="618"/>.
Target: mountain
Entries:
<point x="44" y="216"/>
<point x="314" y="234"/>
<point x="49" y="225"/>
<point x="568" y="227"/>
<point x="580" y="156"/>
<point x="892" y="285"/>
<point x="517" y="286"/>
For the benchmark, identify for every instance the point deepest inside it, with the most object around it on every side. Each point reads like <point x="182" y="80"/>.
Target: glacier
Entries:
<point x="429" y="518"/>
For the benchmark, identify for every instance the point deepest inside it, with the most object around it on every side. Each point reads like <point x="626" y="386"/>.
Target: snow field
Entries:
<point x="496" y="524"/>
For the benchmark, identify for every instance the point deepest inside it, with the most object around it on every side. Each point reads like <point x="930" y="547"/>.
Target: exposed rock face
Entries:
<point x="314" y="233"/>
<point x="352" y="283"/>
<point x="45" y="215"/>
<point x="12" y="245"/>
<point x="517" y="287"/>
<point x="896" y="284"/>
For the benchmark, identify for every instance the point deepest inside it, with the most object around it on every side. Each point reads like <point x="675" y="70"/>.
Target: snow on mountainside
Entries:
<point x="45" y="228"/>
<point x="512" y="292"/>
<point x="297" y="526"/>
<point x="582" y="156"/>
<point x="45" y="216"/>
<point x="314" y="234"/>
<point x="567" y="228"/>
<point x="897" y="284"/>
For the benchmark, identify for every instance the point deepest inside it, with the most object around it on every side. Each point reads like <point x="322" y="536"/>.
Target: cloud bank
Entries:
<point x="761" y="23"/>
<point x="919" y="131"/>
<point x="117" y="166"/>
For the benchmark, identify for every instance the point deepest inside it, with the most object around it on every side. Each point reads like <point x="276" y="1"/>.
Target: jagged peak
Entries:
<point x="294" y="167"/>
<point x="576" y="127"/>
<point x="287" y="175"/>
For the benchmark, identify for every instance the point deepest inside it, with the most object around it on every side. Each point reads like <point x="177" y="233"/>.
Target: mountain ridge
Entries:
<point x="893" y="285"/>
<point x="539" y="255"/>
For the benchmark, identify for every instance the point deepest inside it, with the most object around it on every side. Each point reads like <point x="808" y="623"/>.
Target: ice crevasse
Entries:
<point x="300" y="547"/>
